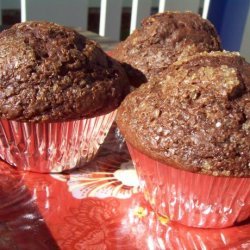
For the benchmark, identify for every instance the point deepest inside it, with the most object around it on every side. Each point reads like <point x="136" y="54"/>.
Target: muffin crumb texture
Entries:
<point x="197" y="118"/>
<point x="52" y="73"/>
<point x="161" y="40"/>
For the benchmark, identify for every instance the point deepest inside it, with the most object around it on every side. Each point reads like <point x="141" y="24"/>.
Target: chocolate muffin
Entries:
<point x="52" y="73"/>
<point x="163" y="39"/>
<point x="58" y="97"/>
<point x="197" y="118"/>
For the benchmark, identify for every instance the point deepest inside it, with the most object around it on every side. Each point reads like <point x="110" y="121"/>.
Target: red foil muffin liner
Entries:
<point x="97" y="210"/>
<point x="192" y="199"/>
<point x="52" y="147"/>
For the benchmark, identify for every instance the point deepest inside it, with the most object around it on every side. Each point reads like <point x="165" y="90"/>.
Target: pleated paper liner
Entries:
<point x="52" y="147"/>
<point x="39" y="211"/>
<point x="192" y="199"/>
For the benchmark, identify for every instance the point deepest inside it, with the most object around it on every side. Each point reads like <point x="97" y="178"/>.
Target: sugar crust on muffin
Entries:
<point x="52" y="73"/>
<point x="161" y="40"/>
<point x="196" y="118"/>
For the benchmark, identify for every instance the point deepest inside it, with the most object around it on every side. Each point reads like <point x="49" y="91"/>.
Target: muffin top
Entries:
<point x="52" y="73"/>
<point x="163" y="39"/>
<point x="197" y="118"/>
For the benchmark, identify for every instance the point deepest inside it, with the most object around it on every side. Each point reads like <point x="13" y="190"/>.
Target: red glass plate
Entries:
<point x="96" y="207"/>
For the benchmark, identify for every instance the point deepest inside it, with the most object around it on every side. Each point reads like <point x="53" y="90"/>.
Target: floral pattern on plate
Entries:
<point x="37" y="211"/>
<point x="120" y="183"/>
<point x="101" y="221"/>
<point x="110" y="174"/>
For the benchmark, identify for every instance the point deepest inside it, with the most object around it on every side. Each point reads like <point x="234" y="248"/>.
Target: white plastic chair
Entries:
<point x="75" y="13"/>
<point x="69" y="13"/>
